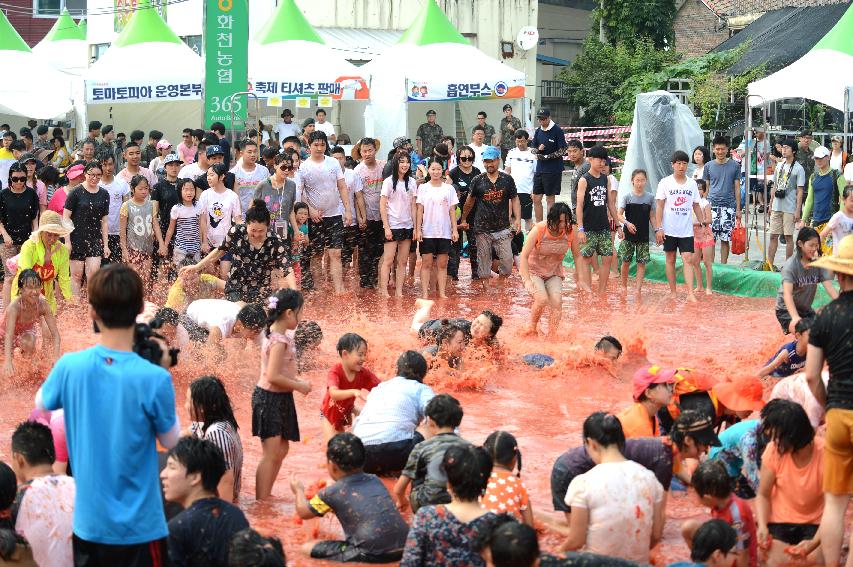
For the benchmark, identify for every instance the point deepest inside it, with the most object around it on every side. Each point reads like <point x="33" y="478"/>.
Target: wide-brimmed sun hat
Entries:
<point x="742" y="394"/>
<point x="53" y="223"/>
<point x="842" y="261"/>
<point x="356" y="149"/>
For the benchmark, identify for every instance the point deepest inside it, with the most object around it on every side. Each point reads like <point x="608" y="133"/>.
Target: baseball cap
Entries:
<point x="401" y="141"/>
<point x="742" y="394"/>
<point x="821" y="152"/>
<point x="701" y="430"/>
<point x="163" y="144"/>
<point x="491" y="152"/>
<point x="26" y="157"/>
<point x="430" y="111"/>
<point x="544" y="113"/>
<point x="649" y="376"/>
<point x="74" y="171"/>
<point x="171" y="158"/>
<point x="214" y="150"/>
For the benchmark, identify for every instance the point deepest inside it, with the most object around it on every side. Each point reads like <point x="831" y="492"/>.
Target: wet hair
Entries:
<point x="34" y="442"/>
<point x="503" y="448"/>
<point x="299" y="205"/>
<point x="104" y="155"/>
<point x="720" y="141"/>
<point x="679" y="430"/>
<point x="285" y="299"/>
<point x="701" y="184"/>
<point x="167" y="316"/>
<point x="495" y="319"/>
<point x="639" y="171"/>
<point x="711" y="479"/>
<point x="48" y="175"/>
<point x="308" y="334"/>
<point x="445" y="411"/>
<point x="680" y="156"/>
<point x="803" y="325"/>
<point x="807" y="233"/>
<point x="16" y="168"/>
<point x="136" y="181"/>
<point x="848" y="190"/>
<point x="27" y="276"/>
<point x="258" y="212"/>
<point x="711" y="536"/>
<point x="706" y="155"/>
<point x="468" y="469"/>
<point x="607" y="342"/>
<point x="248" y="548"/>
<point x="349" y="342"/>
<point x="211" y="403"/>
<point x="605" y="429"/>
<point x="412" y="365"/>
<point x="512" y="543"/>
<point x="180" y="184"/>
<point x="574" y="143"/>
<point x="252" y="316"/>
<point x="90" y="165"/>
<point x="116" y="295"/>
<point x="338" y="150"/>
<point x="318" y="135"/>
<point x="446" y="332"/>
<point x="787" y="424"/>
<point x="395" y="170"/>
<point x="556" y="211"/>
<point x="347" y="452"/>
<point x="220" y="169"/>
<point x="8" y="486"/>
<point x="200" y="456"/>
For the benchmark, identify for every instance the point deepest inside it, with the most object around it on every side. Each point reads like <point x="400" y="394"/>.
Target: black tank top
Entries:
<point x="595" y="203"/>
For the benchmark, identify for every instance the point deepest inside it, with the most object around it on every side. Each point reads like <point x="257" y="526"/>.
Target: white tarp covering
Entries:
<point x="32" y="88"/>
<point x="661" y="126"/>
<point x="67" y="55"/>
<point x="821" y="75"/>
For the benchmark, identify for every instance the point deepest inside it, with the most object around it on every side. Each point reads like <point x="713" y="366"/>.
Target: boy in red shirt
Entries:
<point x="347" y="381"/>
<point x="714" y="488"/>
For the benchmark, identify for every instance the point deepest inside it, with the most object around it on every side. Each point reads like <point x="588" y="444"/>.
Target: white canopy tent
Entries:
<point x="64" y="46"/>
<point x="166" y="96"/>
<point x="482" y="83"/>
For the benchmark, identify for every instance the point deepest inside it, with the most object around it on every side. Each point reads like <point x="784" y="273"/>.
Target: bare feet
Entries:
<point x="708" y="291"/>
<point x="691" y="297"/>
<point x="384" y="294"/>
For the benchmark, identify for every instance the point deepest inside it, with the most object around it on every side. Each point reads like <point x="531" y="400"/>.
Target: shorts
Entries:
<point x="90" y="554"/>
<point x="683" y="244"/>
<point x="274" y="415"/>
<point x="178" y="256"/>
<point x="435" y="246"/>
<point x="328" y="233"/>
<point x="597" y="242"/>
<point x="792" y="534"/>
<point x="387" y="458"/>
<point x="350" y="242"/>
<point x="137" y="256"/>
<point x="345" y="552"/>
<point x="722" y="223"/>
<point x="227" y="257"/>
<point x="700" y="238"/>
<point x="401" y="234"/>
<point x="526" y="201"/>
<point x="784" y="317"/>
<point x="782" y="223"/>
<point x="82" y="248"/>
<point x="547" y="183"/>
<point x="838" y="452"/>
<point x="114" y="241"/>
<point x="629" y="250"/>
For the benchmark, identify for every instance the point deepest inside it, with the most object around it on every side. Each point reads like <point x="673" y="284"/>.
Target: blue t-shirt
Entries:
<point x="115" y="403"/>
<point x="721" y="178"/>
<point x="795" y="362"/>
<point x="553" y="140"/>
<point x="730" y="440"/>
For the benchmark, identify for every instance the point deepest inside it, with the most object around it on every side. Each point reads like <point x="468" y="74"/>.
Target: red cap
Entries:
<point x="650" y="375"/>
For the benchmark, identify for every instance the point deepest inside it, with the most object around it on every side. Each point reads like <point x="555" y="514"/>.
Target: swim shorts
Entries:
<point x="597" y="242"/>
<point x="628" y="250"/>
<point x="722" y="223"/>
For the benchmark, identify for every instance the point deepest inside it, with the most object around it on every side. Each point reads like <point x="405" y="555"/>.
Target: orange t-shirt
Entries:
<point x="505" y="493"/>
<point x="637" y="423"/>
<point x="797" y="495"/>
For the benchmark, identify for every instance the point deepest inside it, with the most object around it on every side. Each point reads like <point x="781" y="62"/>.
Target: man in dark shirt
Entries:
<point x="429" y="134"/>
<point x="164" y="196"/>
<point x="492" y="192"/>
<point x="831" y="340"/>
<point x="199" y="535"/>
<point x="549" y="147"/>
<point x="218" y="129"/>
<point x="150" y="151"/>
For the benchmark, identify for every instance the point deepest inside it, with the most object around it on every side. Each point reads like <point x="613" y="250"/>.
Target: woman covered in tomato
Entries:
<point x="44" y="253"/>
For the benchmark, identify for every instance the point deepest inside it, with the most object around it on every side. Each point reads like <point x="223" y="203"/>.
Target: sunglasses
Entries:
<point x="18" y="179"/>
<point x="465" y="158"/>
<point x="284" y="167"/>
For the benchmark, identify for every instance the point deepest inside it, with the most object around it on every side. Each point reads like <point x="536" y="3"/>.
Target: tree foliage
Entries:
<point x="626" y="20"/>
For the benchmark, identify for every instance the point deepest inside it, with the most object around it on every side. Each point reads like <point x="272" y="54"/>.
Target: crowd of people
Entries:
<point x="210" y="246"/>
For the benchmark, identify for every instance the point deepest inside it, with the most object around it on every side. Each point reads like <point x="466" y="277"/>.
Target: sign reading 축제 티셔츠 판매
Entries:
<point x="226" y="49"/>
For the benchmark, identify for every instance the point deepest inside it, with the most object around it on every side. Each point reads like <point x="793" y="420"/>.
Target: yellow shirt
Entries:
<point x="32" y="256"/>
<point x="208" y="288"/>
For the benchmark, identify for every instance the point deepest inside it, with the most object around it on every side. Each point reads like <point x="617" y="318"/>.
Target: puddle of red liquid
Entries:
<point x="724" y="336"/>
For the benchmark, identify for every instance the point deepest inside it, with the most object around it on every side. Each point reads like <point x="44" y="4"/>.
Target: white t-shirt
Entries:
<point x="841" y="225"/>
<point x="437" y="203"/>
<point x="677" y="216"/>
<point x="478" y="156"/>
<point x="848" y="173"/>
<point x="621" y="499"/>
<point x="317" y="185"/>
<point x="521" y="165"/>
<point x="353" y="181"/>
<point x="210" y="313"/>
<point x="118" y="189"/>
<point x="220" y="208"/>
<point x="283" y="130"/>
<point x="325" y="127"/>
<point x="190" y="171"/>
<point x="400" y="203"/>
<point x="836" y="163"/>
<point x="46" y="519"/>
<point x="245" y="183"/>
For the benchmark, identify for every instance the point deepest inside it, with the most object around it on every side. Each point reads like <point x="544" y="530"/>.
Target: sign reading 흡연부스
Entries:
<point x="226" y="50"/>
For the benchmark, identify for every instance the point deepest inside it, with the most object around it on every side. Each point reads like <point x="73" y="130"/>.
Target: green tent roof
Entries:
<point x="83" y="28"/>
<point x="10" y="39"/>
<point x="146" y="26"/>
<point x="287" y="24"/>
<point x="64" y="28"/>
<point x="432" y="26"/>
<point x="840" y="37"/>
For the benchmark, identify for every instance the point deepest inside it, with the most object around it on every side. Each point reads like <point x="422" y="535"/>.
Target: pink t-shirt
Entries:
<point x="288" y="368"/>
<point x="57" y="202"/>
<point x="187" y="154"/>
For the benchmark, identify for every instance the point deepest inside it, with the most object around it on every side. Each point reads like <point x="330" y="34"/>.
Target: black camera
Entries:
<point x="780" y="193"/>
<point x="146" y="345"/>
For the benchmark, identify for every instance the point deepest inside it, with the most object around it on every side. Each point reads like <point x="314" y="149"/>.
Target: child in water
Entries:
<point x="703" y="241"/>
<point x="791" y="358"/>
<point x="21" y="318"/>
<point x="348" y="380"/>
<point x="273" y="411"/>
<point x="137" y="228"/>
<point x="300" y="241"/>
<point x="505" y="493"/>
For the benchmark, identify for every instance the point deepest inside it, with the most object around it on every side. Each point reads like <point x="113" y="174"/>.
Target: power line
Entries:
<point x="21" y="11"/>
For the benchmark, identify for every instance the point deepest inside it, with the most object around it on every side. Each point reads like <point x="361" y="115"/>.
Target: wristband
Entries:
<point x="660" y="229"/>
<point x="580" y="229"/>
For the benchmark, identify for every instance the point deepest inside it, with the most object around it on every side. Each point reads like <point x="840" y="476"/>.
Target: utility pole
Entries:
<point x="601" y="37"/>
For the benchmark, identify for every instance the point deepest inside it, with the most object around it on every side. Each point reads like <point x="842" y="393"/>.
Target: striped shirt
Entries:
<point x="223" y="435"/>
<point x="187" y="228"/>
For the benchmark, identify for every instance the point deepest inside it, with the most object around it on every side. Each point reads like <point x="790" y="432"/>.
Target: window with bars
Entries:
<point x="52" y="8"/>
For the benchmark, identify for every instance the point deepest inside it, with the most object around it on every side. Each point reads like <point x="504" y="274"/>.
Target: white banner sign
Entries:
<point x="99" y="92"/>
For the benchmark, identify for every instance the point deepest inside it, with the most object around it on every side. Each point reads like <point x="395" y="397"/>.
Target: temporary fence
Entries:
<point x="611" y="137"/>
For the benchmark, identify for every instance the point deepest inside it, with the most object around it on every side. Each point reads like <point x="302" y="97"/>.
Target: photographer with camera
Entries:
<point x="786" y="200"/>
<point x="116" y="404"/>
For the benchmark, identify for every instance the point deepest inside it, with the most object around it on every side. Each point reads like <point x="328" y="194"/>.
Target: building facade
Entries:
<point x="34" y="18"/>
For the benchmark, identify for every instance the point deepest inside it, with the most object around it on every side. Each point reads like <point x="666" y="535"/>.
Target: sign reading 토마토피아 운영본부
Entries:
<point x="226" y="49"/>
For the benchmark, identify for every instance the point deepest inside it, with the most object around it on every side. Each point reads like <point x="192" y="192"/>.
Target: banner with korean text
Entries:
<point x="425" y="91"/>
<point x="143" y="91"/>
<point x="226" y="49"/>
